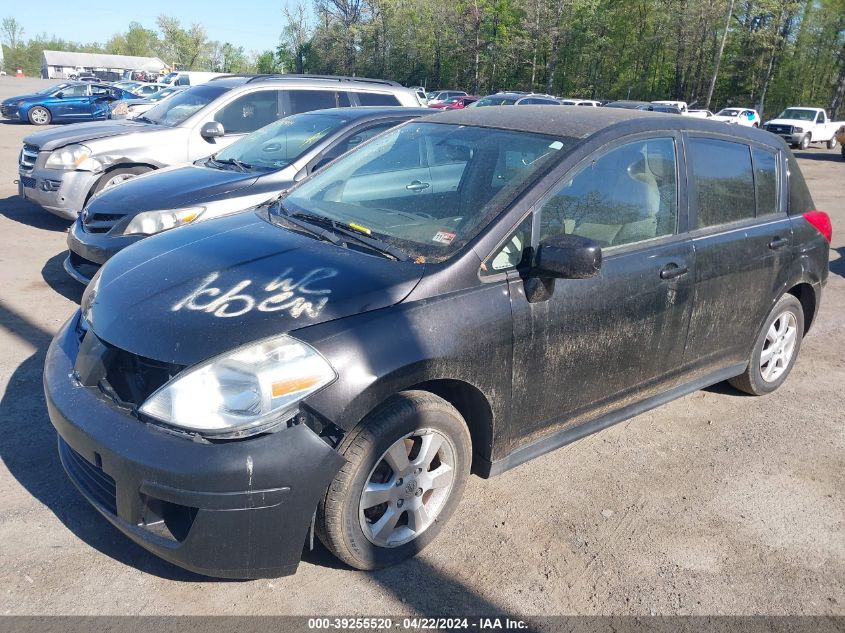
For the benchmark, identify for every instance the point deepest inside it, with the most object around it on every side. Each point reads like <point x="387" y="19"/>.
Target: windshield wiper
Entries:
<point x="360" y="235"/>
<point x="144" y="119"/>
<point x="308" y="227"/>
<point x="244" y="167"/>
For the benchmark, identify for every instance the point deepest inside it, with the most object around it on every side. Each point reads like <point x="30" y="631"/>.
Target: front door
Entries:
<point x="74" y="103"/>
<point x="585" y="347"/>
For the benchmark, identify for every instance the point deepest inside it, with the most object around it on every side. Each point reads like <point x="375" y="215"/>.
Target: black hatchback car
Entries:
<point x="467" y="291"/>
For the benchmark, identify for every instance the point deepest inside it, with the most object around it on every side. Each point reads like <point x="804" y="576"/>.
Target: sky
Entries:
<point x="254" y="24"/>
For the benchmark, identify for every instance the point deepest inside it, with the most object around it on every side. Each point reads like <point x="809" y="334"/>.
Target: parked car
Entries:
<point x="254" y="169"/>
<point x="681" y="106"/>
<point x="189" y="78"/>
<point x="421" y="95"/>
<point x="66" y="102"/>
<point x="342" y="357"/>
<point x="580" y="102"/>
<point x="701" y="114"/>
<point x="92" y="78"/>
<point x="455" y="103"/>
<point x="800" y="126"/>
<point x="515" y="98"/>
<point x="738" y="116"/>
<point x="61" y="169"/>
<point x="147" y="89"/>
<point x="627" y="104"/>
<point x="128" y="85"/>
<point x="665" y="109"/>
<point x="131" y="108"/>
<point x="441" y="95"/>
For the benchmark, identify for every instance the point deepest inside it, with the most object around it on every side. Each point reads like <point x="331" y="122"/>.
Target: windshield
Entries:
<point x="495" y="100"/>
<point x="161" y="94"/>
<point x="425" y="188"/>
<point x="174" y="111"/>
<point x="169" y="77"/>
<point x="279" y="144"/>
<point x="798" y="114"/>
<point x="728" y="112"/>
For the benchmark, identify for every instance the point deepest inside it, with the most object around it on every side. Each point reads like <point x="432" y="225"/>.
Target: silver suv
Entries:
<point x="61" y="168"/>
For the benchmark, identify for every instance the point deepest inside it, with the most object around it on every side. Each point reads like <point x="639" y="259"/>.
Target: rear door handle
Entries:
<point x="778" y="242"/>
<point x="416" y="185"/>
<point x="670" y="271"/>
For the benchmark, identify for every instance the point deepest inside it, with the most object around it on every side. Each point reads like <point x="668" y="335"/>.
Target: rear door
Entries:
<point x="742" y="239"/>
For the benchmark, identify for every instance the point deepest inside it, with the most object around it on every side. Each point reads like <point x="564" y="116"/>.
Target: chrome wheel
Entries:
<point x="116" y="180"/>
<point x="407" y="488"/>
<point x="39" y="116"/>
<point x="779" y="346"/>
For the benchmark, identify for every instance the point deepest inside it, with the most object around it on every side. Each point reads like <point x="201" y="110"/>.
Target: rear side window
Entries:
<point x="376" y="99"/>
<point x="766" y="180"/>
<point x="723" y="180"/>
<point x="310" y="100"/>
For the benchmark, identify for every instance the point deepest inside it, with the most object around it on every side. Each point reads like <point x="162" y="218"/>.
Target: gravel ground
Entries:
<point x="717" y="503"/>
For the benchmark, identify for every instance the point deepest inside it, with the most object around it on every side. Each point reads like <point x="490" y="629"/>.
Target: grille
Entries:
<point x="27" y="181"/>
<point x="100" y="222"/>
<point x="29" y="154"/>
<point x="7" y="111"/>
<point x="93" y="480"/>
<point x="780" y="129"/>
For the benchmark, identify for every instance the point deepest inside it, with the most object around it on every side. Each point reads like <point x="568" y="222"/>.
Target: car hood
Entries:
<point x="82" y="132"/>
<point x="186" y="295"/>
<point x="171" y="189"/>
<point x="796" y="122"/>
<point x="11" y="100"/>
<point x="716" y="117"/>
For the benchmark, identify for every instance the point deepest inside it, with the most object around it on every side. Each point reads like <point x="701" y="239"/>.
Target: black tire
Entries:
<point x="339" y="519"/>
<point x="843" y="152"/>
<point x="124" y="172"/>
<point x="751" y="381"/>
<point x="40" y="115"/>
<point x="805" y="142"/>
<point x="831" y="144"/>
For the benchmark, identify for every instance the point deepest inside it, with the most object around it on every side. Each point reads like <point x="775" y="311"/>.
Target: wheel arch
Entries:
<point x="114" y="167"/>
<point x="806" y="295"/>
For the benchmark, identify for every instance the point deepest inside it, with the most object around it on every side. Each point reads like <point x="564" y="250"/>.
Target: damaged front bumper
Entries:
<point x="61" y="192"/>
<point x="234" y="509"/>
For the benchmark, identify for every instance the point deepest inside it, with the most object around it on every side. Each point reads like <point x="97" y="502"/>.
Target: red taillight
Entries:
<point x="821" y="221"/>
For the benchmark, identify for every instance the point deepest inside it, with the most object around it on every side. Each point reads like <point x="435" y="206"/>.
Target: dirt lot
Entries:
<point x="716" y="503"/>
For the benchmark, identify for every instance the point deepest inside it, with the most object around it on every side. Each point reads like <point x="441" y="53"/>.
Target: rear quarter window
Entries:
<point x="723" y="181"/>
<point x="376" y="99"/>
<point x="800" y="200"/>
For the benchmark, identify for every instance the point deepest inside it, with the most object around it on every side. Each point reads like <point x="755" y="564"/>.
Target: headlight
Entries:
<point x="798" y="129"/>
<point x="242" y="392"/>
<point x="72" y="157"/>
<point x="152" y="222"/>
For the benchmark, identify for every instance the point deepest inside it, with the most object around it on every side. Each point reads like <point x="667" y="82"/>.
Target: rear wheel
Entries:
<point x="775" y="349"/>
<point x="406" y="470"/>
<point x="40" y="116"/>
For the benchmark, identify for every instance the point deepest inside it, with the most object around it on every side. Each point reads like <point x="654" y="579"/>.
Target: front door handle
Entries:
<point x="778" y="242"/>
<point x="416" y="185"/>
<point x="670" y="271"/>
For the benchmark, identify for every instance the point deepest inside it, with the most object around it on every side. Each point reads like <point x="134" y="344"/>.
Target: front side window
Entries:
<point x="249" y="112"/>
<point x="628" y="194"/>
<point x="177" y="109"/>
<point x="277" y="145"/>
<point x="77" y="90"/>
<point x="766" y="180"/>
<point x="402" y="186"/>
<point x="723" y="181"/>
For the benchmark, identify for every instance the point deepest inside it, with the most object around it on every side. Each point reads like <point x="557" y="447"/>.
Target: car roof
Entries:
<point x="584" y="122"/>
<point x="231" y="81"/>
<point x="371" y="112"/>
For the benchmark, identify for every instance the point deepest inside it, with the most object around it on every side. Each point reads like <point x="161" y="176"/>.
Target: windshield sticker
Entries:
<point x="294" y="297"/>
<point x="443" y="237"/>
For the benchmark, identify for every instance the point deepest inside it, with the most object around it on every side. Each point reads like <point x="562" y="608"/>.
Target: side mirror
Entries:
<point x="212" y="129"/>
<point x="567" y="257"/>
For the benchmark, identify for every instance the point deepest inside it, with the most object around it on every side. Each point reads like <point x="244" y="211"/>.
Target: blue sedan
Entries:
<point x="66" y="102"/>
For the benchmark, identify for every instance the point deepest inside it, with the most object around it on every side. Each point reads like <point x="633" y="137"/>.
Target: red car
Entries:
<point x="455" y="103"/>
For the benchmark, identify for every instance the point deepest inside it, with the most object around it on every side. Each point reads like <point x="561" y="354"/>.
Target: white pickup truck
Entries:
<point x="801" y="126"/>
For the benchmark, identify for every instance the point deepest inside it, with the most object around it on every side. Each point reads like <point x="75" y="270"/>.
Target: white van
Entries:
<point x="189" y="78"/>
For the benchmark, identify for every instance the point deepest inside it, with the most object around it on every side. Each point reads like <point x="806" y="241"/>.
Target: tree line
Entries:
<point x="765" y="54"/>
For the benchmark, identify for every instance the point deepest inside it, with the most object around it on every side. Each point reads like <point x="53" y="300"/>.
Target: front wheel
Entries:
<point x="40" y="116"/>
<point x="117" y="176"/>
<point x="407" y="466"/>
<point x="831" y="143"/>
<point x="775" y="349"/>
<point x="805" y="141"/>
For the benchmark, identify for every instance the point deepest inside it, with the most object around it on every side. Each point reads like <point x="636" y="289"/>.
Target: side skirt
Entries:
<point x="567" y="436"/>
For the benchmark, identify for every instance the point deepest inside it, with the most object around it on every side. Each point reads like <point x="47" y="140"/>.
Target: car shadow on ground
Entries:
<point x="55" y="276"/>
<point x="30" y="454"/>
<point x="833" y="157"/>
<point x="837" y="266"/>
<point x="25" y="212"/>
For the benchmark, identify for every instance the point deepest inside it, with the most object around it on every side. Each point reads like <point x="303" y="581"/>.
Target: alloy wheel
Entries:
<point x="407" y="488"/>
<point x="40" y="116"/>
<point x="779" y="346"/>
